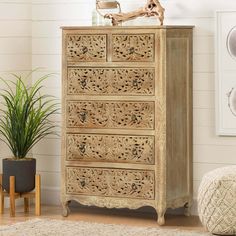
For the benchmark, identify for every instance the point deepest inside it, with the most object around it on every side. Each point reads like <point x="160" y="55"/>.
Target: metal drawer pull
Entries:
<point x="82" y="148"/>
<point x="134" y="118"/>
<point x="83" y="116"/>
<point x="134" y="187"/>
<point x="131" y="50"/>
<point x="135" y="82"/>
<point x="83" y="83"/>
<point x="82" y="182"/>
<point x="135" y="152"/>
<point x="84" y="50"/>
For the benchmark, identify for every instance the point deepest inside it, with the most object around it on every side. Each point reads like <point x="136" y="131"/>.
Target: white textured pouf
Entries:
<point x="217" y="201"/>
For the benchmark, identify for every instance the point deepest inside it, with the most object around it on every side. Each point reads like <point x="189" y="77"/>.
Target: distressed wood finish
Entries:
<point x="110" y="182"/>
<point x="110" y="148"/>
<point x="133" y="47"/>
<point x="127" y="127"/>
<point x="111" y="81"/>
<point x="110" y="114"/>
<point x="86" y="47"/>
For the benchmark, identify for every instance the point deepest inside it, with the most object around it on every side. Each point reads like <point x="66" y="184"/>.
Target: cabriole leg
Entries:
<point x="187" y="208"/>
<point x="161" y="216"/>
<point x="65" y="208"/>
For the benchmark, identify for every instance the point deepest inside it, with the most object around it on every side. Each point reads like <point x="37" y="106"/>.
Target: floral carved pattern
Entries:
<point x="86" y="47"/>
<point x="110" y="148"/>
<point x="111" y="81"/>
<point x="133" y="47"/>
<point x="110" y="182"/>
<point x="110" y="114"/>
<point x="112" y="202"/>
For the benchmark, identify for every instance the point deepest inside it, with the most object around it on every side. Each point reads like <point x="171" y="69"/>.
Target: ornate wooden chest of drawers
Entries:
<point x="127" y="117"/>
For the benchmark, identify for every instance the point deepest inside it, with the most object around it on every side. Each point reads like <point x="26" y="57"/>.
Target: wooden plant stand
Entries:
<point x="13" y="195"/>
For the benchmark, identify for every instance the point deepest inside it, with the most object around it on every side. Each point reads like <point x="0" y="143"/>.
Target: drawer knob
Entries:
<point x="134" y="118"/>
<point x="84" y="50"/>
<point x="135" y="82"/>
<point x="134" y="187"/>
<point x="82" y="182"/>
<point x="131" y="50"/>
<point x="82" y="148"/>
<point x="83" y="116"/>
<point x="135" y="152"/>
<point x="83" y="83"/>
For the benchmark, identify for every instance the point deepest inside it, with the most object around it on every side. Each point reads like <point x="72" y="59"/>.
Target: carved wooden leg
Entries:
<point x="65" y="208"/>
<point x="161" y="216"/>
<point x="187" y="208"/>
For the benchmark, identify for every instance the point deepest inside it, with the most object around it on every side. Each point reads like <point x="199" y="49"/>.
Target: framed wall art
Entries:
<point x="225" y="63"/>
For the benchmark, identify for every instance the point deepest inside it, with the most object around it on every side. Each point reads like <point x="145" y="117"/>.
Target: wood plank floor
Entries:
<point x="88" y="214"/>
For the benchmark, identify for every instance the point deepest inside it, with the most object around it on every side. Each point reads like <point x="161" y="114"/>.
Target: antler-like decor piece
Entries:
<point x="151" y="8"/>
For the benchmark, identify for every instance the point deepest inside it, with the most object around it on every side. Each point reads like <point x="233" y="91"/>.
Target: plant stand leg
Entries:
<point x="26" y="204"/>
<point x="12" y="196"/>
<point x="1" y="196"/>
<point x="37" y="195"/>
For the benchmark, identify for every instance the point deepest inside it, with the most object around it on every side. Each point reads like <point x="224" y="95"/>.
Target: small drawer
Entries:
<point x="110" y="114"/>
<point x="133" y="47"/>
<point x="110" y="182"/>
<point x="110" y="148"/>
<point x="86" y="48"/>
<point x="111" y="81"/>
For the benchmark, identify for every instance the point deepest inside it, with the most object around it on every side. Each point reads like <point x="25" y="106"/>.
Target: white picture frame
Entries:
<point x="225" y="73"/>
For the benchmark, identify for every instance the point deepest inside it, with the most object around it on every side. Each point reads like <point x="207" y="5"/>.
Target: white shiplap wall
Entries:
<point x="210" y="151"/>
<point x="15" y="46"/>
<point x="15" y="42"/>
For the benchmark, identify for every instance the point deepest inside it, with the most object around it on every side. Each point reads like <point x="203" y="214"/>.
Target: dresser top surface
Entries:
<point x="128" y="27"/>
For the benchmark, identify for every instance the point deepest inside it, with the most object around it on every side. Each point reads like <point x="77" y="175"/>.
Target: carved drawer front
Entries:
<point x="132" y="47"/>
<point x="110" y="114"/>
<point x="86" y="48"/>
<point x="111" y="81"/>
<point x="110" y="148"/>
<point x="110" y="182"/>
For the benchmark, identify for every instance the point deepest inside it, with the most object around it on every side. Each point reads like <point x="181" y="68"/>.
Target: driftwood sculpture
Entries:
<point x="151" y="8"/>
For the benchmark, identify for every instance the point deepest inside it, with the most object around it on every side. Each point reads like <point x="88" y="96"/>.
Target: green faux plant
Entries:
<point x="25" y="114"/>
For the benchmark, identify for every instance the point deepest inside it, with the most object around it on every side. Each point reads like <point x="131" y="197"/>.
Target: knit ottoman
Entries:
<point x="217" y="201"/>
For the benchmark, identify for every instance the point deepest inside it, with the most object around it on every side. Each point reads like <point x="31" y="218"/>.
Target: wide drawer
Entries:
<point x="110" y="114"/>
<point x="111" y="81"/>
<point x="86" y="48"/>
<point x="133" y="47"/>
<point x="110" y="182"/>
<point x="110" y="148"/>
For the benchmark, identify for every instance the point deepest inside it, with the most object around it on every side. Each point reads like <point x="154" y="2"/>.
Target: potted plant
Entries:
<point x="23" y="123"/>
